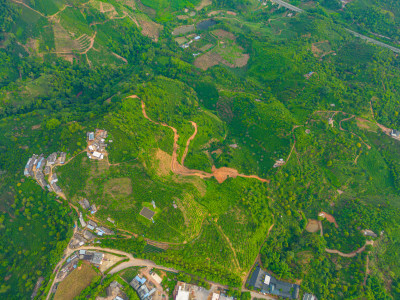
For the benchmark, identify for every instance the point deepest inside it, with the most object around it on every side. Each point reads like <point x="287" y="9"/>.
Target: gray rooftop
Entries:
<point x="275" y="287"/>
<point x="97" y="258"/>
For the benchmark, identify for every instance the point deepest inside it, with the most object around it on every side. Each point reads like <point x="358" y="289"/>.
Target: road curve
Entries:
<point x="288" y="6"/>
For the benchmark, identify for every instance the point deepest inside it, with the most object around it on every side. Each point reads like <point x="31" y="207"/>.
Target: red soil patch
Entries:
<point x="220" y="174"/>
<point x="328" y="217"/>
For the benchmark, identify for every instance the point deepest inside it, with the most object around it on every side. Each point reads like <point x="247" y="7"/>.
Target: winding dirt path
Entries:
<point x="220" y="174"/>
<point x="27" y="6"/>
<point x="91" y="39"/>
<point x="344" y="120"/>
<point x="52" y="17"/>
<point x="351" y="254"/>
<point x="188" y="142"/>
<point x="347" y="119"/>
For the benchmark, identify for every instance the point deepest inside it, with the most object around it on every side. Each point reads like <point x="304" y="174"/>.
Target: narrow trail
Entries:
<point x="356" y="159"/>
<point x="235" y="260"/>
<point x="291" y="151"/>
<point x="91" y="43"/>
<point x="220" y="174"/>
<point x="188" y="142"/>
<point x="27" y="6"/>
<point x="52" y="17"/>
<point x="347" y="119"/>
<point x="344" y="120"/>
<point x="351" y="254"/>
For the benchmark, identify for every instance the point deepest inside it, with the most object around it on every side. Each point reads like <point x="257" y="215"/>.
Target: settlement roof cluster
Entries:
<point x="145" y="291"/>
<point x="96" y="144"/>
<point x="38" y="166"/>
<point x="186" y="291"/>
<point x="93" y="257"/>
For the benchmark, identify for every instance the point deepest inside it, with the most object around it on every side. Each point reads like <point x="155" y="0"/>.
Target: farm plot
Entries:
<point x="181" y="40"/>
<point x="193" y="214"/>
<point x="223" y="34"/>
<point x="230" y="56"/>
<point x="225" y="52"/>
<point x="63" y="41"/>
<point x="148" y="27"/>
<point x="312" y="226"/>
<point x="105" y="8"/>
<point x="75" y="283"/>
<point x="183" y="29"/>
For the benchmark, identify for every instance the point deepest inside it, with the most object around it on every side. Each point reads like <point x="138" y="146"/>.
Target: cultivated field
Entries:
<point x="75" y="282"/>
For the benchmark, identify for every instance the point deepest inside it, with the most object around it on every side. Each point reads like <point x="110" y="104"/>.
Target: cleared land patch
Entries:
<point x="321" y="49"/>
<point x="312" y="226"/>
<point x="203" y="4"/>
<point x="118" y="187"/>
<point x="223" y="34"/>
<point x="181" y="40"/>
<point x="164" y="161"/>
<point x="183" y="29"/>
<point x="75" y="283"/>
<point x="149" y="27"/>
<point x="225" y="52"/>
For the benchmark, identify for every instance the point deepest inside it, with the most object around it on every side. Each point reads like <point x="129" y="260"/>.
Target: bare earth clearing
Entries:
<point x="312" y="226"/>
<point x="220" y="174"/>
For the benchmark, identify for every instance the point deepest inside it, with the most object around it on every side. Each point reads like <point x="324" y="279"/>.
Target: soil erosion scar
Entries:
<point x="220" y="174"/>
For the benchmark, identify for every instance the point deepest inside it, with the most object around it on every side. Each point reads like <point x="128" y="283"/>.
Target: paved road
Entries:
<point x="368" y="39"/>
<point x="288" y="6"/>
<point x="134" y="262"/>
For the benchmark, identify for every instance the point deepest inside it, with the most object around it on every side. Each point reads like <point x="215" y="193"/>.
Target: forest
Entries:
<point x="302" y="117"/>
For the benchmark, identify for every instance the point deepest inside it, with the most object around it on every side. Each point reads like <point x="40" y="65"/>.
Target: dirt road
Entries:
<point x="220" y="174"/>
<point x="188" y="142"/>
<point x="351" y="254"/>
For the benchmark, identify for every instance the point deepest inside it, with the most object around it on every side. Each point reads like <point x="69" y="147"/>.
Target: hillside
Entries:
<point x="239" y="133"/>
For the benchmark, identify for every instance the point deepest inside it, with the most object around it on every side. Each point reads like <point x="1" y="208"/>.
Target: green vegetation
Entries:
<point x="310" y="95"/>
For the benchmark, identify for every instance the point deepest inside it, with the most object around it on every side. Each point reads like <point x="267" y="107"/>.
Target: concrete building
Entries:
<point x="92" y="223"/>
<point x="156" y="278"/>
<point x="106" y="230"/>
<point x="47" y="170"/>
<point x="52" y="159"/>
<point x="395" y="133"/>
<point x="182" y="295"/>
<point x="88" y="235"/>
<point x="90" y="136"/>
<point x="97" y="258"/>
<point x="93" y="209"/>
<point x="63" y="157"/>
<point x="84" y="203"/>
<point x="82" y="221"/>
<point x="266" y="283"/>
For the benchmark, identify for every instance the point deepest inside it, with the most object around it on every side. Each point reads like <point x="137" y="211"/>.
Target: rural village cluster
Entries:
<point x="148" y="284"/>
